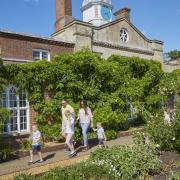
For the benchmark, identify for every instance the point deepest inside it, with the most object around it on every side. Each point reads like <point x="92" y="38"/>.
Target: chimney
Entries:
<point x="123" y="13"/>
<point x="63" y="13"/>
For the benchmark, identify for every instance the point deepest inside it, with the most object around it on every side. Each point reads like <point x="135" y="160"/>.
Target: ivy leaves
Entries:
<point x="107" y="85"/>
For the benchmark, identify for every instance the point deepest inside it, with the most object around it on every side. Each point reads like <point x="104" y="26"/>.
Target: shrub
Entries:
<point x="5" y="150"/>
<point x="24" y="177"/>
<point x="26" y="144"/>
<point x="174" y="176"/>
<point x="164" y="135"/>
<point x="130" y="162"/>
<point x="111" y="134"/>
<point x="50" y="132"/>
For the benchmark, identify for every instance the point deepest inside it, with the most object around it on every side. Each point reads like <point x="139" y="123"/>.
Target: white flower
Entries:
<point x="173" y="138"/>
<point x="157" y="145"/>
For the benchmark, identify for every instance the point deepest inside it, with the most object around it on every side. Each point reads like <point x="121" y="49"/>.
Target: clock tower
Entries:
<point x="97" y="12"/>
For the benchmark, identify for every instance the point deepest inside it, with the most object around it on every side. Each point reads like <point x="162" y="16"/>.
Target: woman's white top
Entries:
<point x="83" y="117"/>
<point x="70" y="125"/>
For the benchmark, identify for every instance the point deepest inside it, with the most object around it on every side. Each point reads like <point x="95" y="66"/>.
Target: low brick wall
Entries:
<point x="129" y="132"/>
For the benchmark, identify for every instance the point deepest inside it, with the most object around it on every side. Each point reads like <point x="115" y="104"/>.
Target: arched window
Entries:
<point x="12" y="97"/>
<point x="17" y="104"/>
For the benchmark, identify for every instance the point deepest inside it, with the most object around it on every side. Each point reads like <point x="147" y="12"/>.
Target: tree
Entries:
<point x="174" y="55"/>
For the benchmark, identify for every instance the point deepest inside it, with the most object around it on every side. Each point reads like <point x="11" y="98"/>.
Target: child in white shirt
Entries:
<point x="69" y="131"/>
<point x="36" y="145"/>
<point x="100" y="134"/>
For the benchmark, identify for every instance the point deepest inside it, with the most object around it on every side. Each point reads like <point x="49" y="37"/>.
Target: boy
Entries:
<point x="36" y="147"/>
<point x="100" y="134"/>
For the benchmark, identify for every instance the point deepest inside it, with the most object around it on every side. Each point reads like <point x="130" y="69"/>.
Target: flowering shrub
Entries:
<point x="130" y="162"/>
<point x="164" y="135"/>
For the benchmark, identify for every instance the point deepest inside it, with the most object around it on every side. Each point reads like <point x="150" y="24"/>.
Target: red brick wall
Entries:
<point x="63" y="13"/>
<point x="63" y="7"/>
<point x="22" y="49"/>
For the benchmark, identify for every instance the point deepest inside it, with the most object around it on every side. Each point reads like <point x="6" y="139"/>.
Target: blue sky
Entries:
<point x="157" y="19"/>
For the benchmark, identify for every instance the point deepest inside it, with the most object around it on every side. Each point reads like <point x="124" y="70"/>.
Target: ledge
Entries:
<point x="125" y="48"/>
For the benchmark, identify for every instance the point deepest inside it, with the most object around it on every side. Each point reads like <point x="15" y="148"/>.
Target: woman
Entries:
<point x="85" y="119"/>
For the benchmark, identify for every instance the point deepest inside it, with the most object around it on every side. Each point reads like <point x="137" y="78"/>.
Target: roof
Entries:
<point x="33" y="38"/>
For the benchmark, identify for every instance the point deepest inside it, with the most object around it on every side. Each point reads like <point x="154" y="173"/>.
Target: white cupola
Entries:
<point x="97" y="12"/>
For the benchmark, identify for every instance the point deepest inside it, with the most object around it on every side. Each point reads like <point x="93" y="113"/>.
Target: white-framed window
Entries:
<point x="124" y="35"/>
<point x="39" y="54"/>
<point x="18" y="107"/>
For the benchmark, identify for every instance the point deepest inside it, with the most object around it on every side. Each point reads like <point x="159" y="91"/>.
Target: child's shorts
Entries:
<point x="100" y="141"/>
<point x="36" y="148"/>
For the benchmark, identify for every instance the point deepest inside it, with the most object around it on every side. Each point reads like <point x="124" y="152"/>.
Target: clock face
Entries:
<point x="106" y="13"/>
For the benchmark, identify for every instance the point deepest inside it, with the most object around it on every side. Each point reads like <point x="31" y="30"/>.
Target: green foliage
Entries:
<point x="24" y="177"/>
<point x="5" y="150"/>
<point x="50" y="132"/>
<point x="111" y="134"/>
<point x="26" y="145"/>
<point x="175" y="54"/>
<point x="108" y="86"/>
<point x="174" y="176"/>
<point x="164" y="135"/>
<point x="130" y="162"/>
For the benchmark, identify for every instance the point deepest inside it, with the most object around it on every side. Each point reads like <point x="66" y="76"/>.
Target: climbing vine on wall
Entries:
<point x="108" y="86"/>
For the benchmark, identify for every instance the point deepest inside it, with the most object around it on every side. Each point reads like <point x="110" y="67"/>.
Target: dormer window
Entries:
<point x="39" y="54"/>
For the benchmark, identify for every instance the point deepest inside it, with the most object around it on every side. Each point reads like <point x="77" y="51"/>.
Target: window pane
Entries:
<point x="22" y="99"/>
<point x="3" y="100"/>
<point x="13" y="120"/>
<point x="23" y="119"/>
<point x="12" y="98"/>
<point x="44" y="55"/>
<point x="36" y="55"/>
<point x="6" y="126"/>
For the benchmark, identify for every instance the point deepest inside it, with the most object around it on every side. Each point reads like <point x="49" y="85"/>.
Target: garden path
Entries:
<point x="51" y="160"/>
